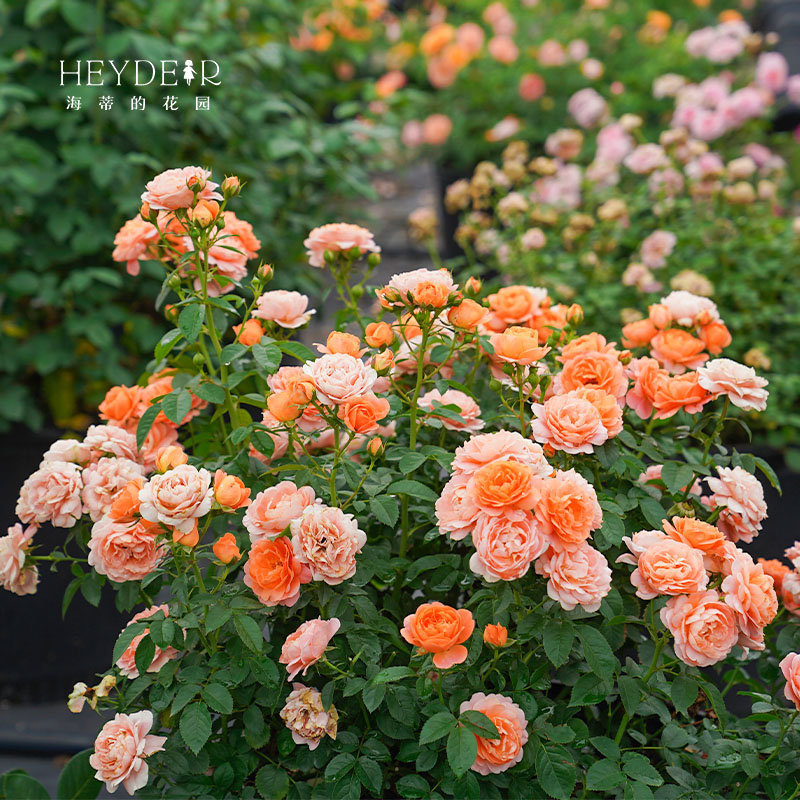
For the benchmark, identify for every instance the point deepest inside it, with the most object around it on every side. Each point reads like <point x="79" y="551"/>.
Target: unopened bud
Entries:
<point x="196" y="183"/>
<point x="373" y="259"/>
<point x="575" y="314"/>
<point x="375" y="446"/>
<point x="231" y="186"/>
<point x="266" y="272"/>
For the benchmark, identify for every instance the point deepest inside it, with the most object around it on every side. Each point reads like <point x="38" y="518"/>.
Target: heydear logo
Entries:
<point x="142" y="72"/>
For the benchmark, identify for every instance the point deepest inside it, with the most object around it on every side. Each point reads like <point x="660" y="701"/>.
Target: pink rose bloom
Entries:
<point x="579" y="577"/>
<point x="411" y="136"/>
<point x="707" y="125"/>
<point x="724" y="49"/>
<point x="122" y="551"/>
<point x="503" y="49"/>
<point x="456" y="511"/>
<point x="14" y="575"/>
<point x="567" y="509"/>
<point x="687" y="309"/>
<point x="742" y="497"/>
<point x="104" y="480"/>
<point x="337" y="237"/>
<point x="273" y="509"/>
<point x="531" y="87"/>
<point x="52" y="494"/>
<point x="327" y="540"/>
<point x="533" y="239"/>
<point x="498" y="755"/>
<point x="772" y="72"/>
<point x="340" y="377"/>
<point x="746" y="103"/>
<point x="67" y="450"/>
<point x="178" y="497"/>
<point x="587" y="107"/>
<point x="750" y="592"/>
<point x="668" y="182"/>
<point x="707" y="165"/>
<point x="407" y="282"/>
<point x="577" y="50"/>
<point x="704" y="627"/>
<point x="306" y="717"/>
<point x="551" y="54"/>
<point x="468" y="409"/>
<point x="132" y="242"/>
<point x="669" y="567"/>
<point x="121" y="748"/>
<point x="793" y="89"/>
<point x="698" y="42"/>
<point x="656" y="247"/>
<point x="790" y="667"/>
<point x="506" y="546"/>
<point x="667" y="85"/>
<point x="564" y="144"/>
<point x="568" y="422"/>
<point x="285" y="308"/>
<point x="168" y="190"/>
<point x="646" y="158"/>
<point x="127" y="661"/>
<point x="722" y="376"/>
<point x="485" y="448"/>
<point x="507" y="127"/>
<point x="470" y="36"/>
<point x="111" y="440"/>
<point x="307" y="644"/>
<point x="613" y="143"/>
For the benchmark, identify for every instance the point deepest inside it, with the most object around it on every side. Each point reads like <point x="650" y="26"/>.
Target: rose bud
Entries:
<point x="473" y="285"/>
<point x="189" y="539"/>
<point x="226" y="550"/>
<point x="204" y="213"/>
<point x="382" y="362"/>
<point x="229" y="490"/>
<point x="433" y="295"/>
<point x="265" y="272"/>
<point x="126" y="504"/>
<point x="496" y="635"/>
<point x="345" y="343"/>
<point x="196" y="183"/>
<point x="467" y="314"/>
<point x="249" y="332"/>
<point x="575" y="314"/>
<point x="287" y="405"/>
<point x="170" y="457"/>
<point x="375" y="446"/>
<point x="231" y="186"/>
<point x="379" y="334"/>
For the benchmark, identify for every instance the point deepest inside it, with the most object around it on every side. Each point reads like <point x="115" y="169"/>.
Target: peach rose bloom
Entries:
<point x="327" y="541"/>
<point x="226" y="549"/>
<point x="161" y="436"/>
<point x="287" y="378"/>
<point x="456" y="511"/>
<point x="284" y="308"/>
<point x="607" y="407"/>
<point x="722" y="376"/>
<point x="495" y="635"/>
<point x="436" y="129"/>
<point x="790" y="667"/>
<point x="503" y="49"/>
<point x="337" y="237"/>
<point x="742" y="497"/>
<point x="638" y="544"/>
<point x="306" y="717"/>
<point x="486" y="448"/>
<point x="67" y="450"/>
<point x="121" y="748"/>
<point x="237" y="234"/>
<point x="229" y="491"/>
<point x="439" y="629"/>
<point x="669" y="567"/>
<point x="683" y="392"/>
<point x="52" y="494"/>
<point x="588" y="343"/>
<point x="517" y="345"/>
<point x="340" y="377"/>
<point x="502" y="486"/>
<point x="776" y="570"/>
<point x="168" y="190"/>
<point x="15" y="576"/>
<point x="647" y="376"/>
<point x="595" y="370"/>
<point x="104" y="481"/>
<point x="467" y="409"/>
<point x="178" y="497"/>
<point x="703" y="626"/>
<point x="677" y="350"/>
<point x="568" y="422"/>
<point x="363" y="413"/>
<point x="750" y="592"/>
<point x="715" y="336"/>
<point x="514" y="305"/>
<point x="468" y="314"/>
<point x="249" y="332"/>
<point x="470" y="36"/>
<point x="567" y="509"/>
<point x="498" y="755"/>
<point x="111" y="440"/>
<point x="406" y="284"/>
<point x="340" y="342"/>
<point x="696" y="533"/>
<point x="638" y="333"/>
<point x="506" y="546"/>
<point x="133" y="242"/>
<point x="307" y="644"/>
<point x="273" y="573"/>
<point x="127" y="661"/>
<point x="273" y="509"/>
<point x="531" y="87"/>
<point x="122" y="551"/>
<point x="122" y="406"/>
<point x="379" y="334"/>
<point x="577" y="577"/>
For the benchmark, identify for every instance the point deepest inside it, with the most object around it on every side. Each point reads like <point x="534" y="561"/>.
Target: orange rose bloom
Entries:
<point x="697" y="534"/>
<point x="346" y="343"/>
<point x="589" y="342"/>
<point x="126" y="504"/>
<point x="514" y="304"/>
<point x="362" y="414"/>
<point x="518" y="346"/>
<point x="676" y="348"/>
<point x="503" y="484"/>
<point x="496" y="635"/>
<point x="226" y="549"/>
<point x="189" y="539"/>
<point x="249" y="333"/>
<point x="607" y="406"/>
<point x="595" y="370"/>
<point x="467" y="315"/>
<point x="408" y="327"/>
<point x="436" y="38"/>
<point x="288" y="404"/>
<point x="440" y="629"/>
<point x="716" y="337"/>
<point x="170" y="457"/>
<point x="775" y="569"/>
<point x="273" y="572"/>
<point x="121" y="404"/>
<point x="428" y="293"/>
<point x="673" y="394"/>
<point x="229" y="491"/>
<point x="379" y="334"/>
<point x="639" y="333"/>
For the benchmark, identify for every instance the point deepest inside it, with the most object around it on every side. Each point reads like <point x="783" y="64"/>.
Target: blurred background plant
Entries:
<point x="72" y="323"/>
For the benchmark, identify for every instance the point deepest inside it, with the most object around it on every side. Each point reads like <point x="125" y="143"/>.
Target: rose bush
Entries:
<point x="462" y="550"/>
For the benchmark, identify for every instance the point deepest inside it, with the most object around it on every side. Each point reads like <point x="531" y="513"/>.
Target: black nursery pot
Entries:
<point x="46" y="654"/>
